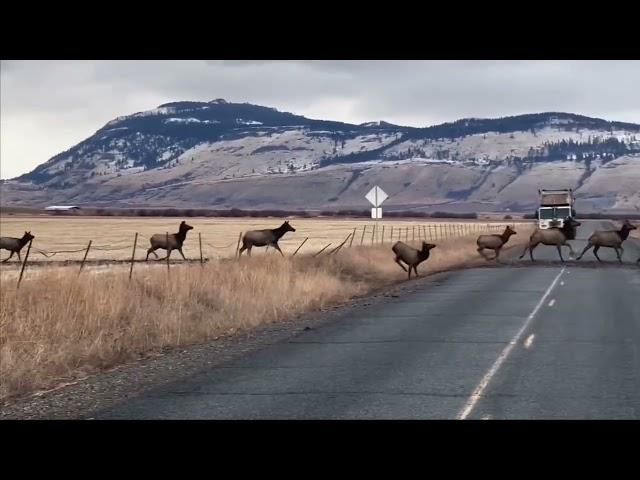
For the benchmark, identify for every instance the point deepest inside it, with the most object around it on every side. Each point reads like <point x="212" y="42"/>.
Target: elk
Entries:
<point x="14" y="245"/>
<point x="261" y="238"/>
<point x="610" y="239"/>
<point x="175" y="241"/>
<point x="494" y="242"/>
<point x="553" y="236"/>
<point x="411" y="256"/>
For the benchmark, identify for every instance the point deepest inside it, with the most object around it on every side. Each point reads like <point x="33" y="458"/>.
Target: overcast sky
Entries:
<point x="49" y="106"/>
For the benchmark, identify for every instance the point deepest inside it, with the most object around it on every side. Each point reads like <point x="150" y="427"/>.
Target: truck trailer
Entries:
<point x="555" y="207"/>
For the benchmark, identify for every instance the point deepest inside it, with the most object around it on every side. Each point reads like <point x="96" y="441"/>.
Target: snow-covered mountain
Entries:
<point x="229" y="155"/>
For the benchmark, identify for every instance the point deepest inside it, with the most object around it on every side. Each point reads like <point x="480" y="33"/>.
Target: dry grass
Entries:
<point x="59" y="327"/>
<point x="219" y="235"/>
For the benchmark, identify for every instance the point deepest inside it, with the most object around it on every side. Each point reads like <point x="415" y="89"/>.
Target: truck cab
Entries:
<point x="555" y="207"/>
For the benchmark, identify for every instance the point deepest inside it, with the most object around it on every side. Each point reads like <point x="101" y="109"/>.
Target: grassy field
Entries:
<point x="61" y="326"/>
<point x="113" y="236"/>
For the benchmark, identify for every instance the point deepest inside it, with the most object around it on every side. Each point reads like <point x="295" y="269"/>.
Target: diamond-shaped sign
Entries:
<point x="376" y="196"/>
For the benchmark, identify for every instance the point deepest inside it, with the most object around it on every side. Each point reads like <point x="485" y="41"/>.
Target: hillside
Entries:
<point x="228" y="155"/>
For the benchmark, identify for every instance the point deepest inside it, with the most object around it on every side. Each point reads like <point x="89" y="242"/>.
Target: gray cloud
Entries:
<point x="48" y="106"/>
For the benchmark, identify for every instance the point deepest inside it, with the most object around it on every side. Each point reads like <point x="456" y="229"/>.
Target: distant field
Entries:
<point x="113" y="236"/>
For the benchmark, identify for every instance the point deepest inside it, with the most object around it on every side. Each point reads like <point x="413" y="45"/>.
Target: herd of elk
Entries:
<point x="404" y="253"/>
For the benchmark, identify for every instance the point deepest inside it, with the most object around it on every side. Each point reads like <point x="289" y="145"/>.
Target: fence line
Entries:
<point x="436" y="231"/>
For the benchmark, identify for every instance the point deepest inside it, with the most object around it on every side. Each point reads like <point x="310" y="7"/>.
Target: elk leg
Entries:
<point x="242" y="249"/>
<point x="151" y="250"/>
<point x="525" y="251"/>
<point x="595" y="252"/>
<point x="585" y="251"/>
<point x="497" y="254"/>
<point x="275" y="245"/>
<point x="397" y="260"/>
<point x="180" y="250"/>
<point x="7" y="259"/>
<point x="415" y="270"/>
<point x="481" y="252"/>
<point x="618" y="254"/>
<point x="168" y="254"/>
<point x="560" y="253"/>
<point x="249" y="251"/>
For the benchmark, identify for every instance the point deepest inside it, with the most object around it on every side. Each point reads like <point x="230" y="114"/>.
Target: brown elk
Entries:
<point x="494" y="242"/>
<point x="553" y="236"/>
<point x="261" y="238"/>
<point x="175" y="241"/>
<point x="14" y="245"/>
<point x="411" y="256"/>
<point x="610" y="239"/>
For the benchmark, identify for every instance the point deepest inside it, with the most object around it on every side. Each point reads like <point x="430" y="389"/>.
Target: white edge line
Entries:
<point x="529" y="340"/>
<point x="479" y="390"/>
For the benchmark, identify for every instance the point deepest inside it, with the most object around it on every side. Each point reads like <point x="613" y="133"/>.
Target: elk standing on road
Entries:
<point x="14" y="245"/>
<point x="411" y="256"/>
<point x="159" y="240"/>
<point x="610" y="239"/>
<point x="553" y="236"/>
<point x="494" y="242"/>
<point x="261" y="238"/>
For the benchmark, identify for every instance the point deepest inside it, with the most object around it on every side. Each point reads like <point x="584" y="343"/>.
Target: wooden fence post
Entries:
<point x="167" y="251"/>
<point x="200" y="241"/>
<point x="24" y="263"/>
<point x="382" y="241"/>
<point x="323" y="249"/>
<point x="303" y="242"/>
<point x="364" y="229"/>
<point x="335" y="250"/>
<point x="85" y="256"/>
<point x="353" y="235"/>
<point x="133" y="255"/>
<point x="238" y="244"/>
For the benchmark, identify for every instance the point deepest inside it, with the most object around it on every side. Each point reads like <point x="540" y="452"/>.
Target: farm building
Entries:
<point x="62" y="208"/>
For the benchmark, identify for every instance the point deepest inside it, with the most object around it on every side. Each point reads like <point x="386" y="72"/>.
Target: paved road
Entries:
<point x="541" y="342"/>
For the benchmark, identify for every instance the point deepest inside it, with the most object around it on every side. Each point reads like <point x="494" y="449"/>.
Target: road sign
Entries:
<point x="376" y="213"/>
<point x="376" y="196"/>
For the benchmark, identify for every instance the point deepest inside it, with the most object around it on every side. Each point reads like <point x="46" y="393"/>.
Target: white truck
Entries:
<point x="555" y="207"/>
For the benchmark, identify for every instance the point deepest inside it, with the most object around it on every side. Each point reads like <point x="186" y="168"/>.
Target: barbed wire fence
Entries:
<point x="432" y="232"/>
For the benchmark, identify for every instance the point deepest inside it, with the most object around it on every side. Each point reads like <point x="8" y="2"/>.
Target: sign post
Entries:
<point x="376" y="196"/>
